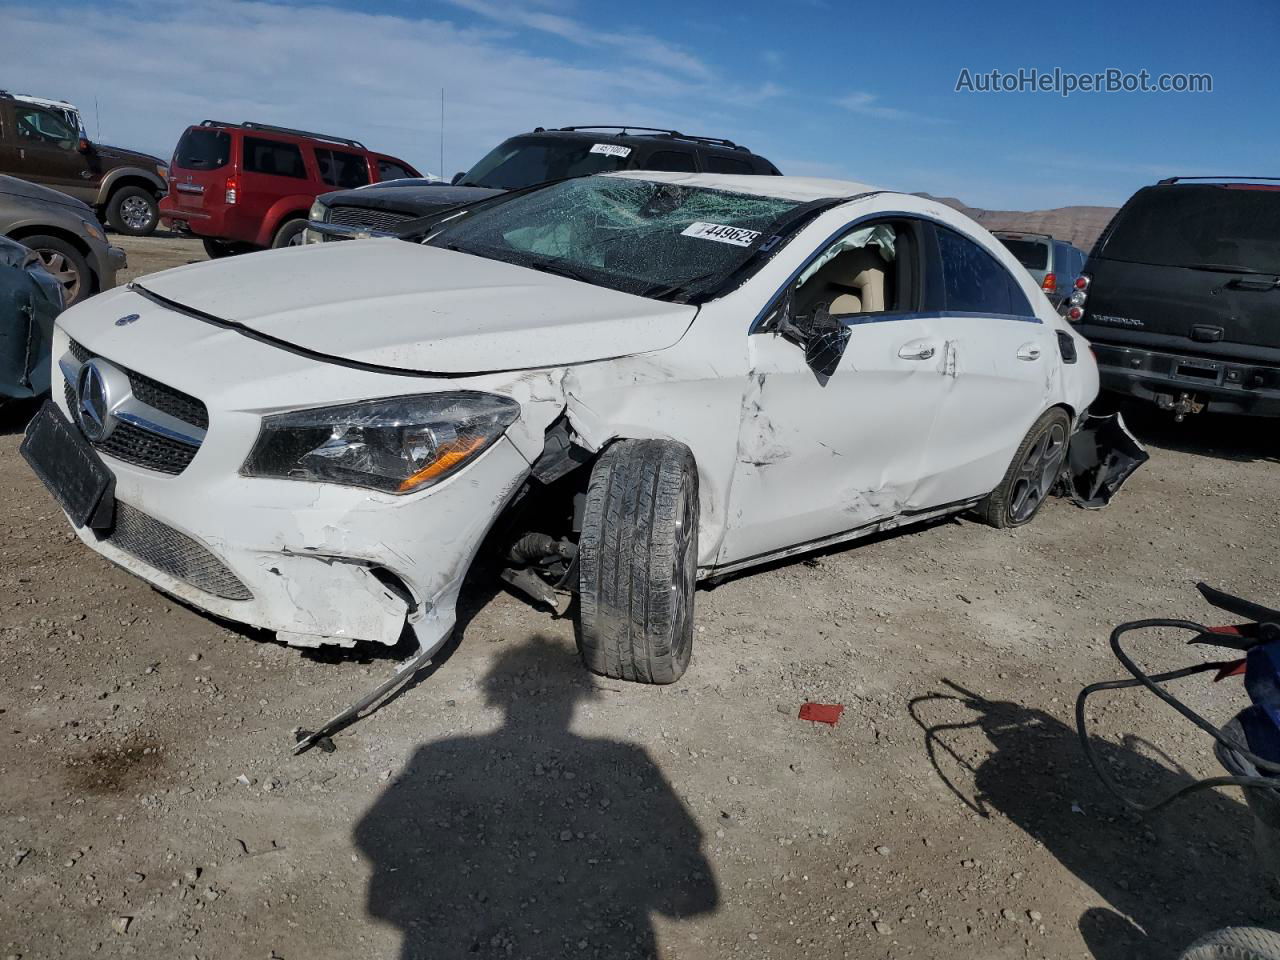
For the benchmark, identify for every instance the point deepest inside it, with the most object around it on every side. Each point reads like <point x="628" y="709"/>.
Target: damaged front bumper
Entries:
<point x="315" y="563"/>
<point x="1101" y="456"/>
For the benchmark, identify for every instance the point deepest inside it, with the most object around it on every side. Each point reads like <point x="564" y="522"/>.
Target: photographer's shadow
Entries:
<point x="1167" y="879"/>
<point x="533" y="841"/>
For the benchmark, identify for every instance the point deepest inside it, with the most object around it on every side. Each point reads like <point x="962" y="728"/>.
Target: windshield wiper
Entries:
<point x="552" y="266"/>
<point x="673" y="291"/>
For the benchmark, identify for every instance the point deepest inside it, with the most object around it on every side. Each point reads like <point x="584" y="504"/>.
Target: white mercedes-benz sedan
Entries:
<point x="618" y="385"/>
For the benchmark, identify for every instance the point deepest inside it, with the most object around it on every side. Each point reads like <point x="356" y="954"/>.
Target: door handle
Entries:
<point x="916" y="350"/>
<point x="1029" y="351"/>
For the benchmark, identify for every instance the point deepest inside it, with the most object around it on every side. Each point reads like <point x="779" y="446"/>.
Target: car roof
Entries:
<point x="638" y="136"/>
<point x="803" y="189"/>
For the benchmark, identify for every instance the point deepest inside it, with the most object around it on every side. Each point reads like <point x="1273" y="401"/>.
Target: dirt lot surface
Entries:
<point x="510" y="805"/>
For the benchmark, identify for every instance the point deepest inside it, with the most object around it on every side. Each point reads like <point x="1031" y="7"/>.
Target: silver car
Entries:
<point x="64" y="232"/>
<point x="1053" y="264"/>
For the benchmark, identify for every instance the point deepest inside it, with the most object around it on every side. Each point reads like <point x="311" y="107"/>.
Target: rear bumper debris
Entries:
<point x="1101" y="456"/>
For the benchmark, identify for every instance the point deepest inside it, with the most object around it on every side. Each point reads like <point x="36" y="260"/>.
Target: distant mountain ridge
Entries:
<point x="1079" y="226"/>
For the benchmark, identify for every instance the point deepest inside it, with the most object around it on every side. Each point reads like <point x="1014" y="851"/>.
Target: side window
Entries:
<point x="715" y="163"/>
<point x="677" y="160"/>
<point x="868" y="270"/>
<point x="44" y="127"/>
<point x="970" y="280"/>
<point x="387" y="170"/>
<point x="341" y="169"/>
<point x="273" y="157"/>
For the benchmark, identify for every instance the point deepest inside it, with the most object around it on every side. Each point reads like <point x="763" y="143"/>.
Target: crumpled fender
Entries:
<point x="1101" y="456"/>
<point x="30" y="299"/>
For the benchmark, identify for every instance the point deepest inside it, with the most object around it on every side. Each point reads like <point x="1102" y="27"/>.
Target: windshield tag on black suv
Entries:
<point x="721" y="233"/>
<point x="611" y="150"/>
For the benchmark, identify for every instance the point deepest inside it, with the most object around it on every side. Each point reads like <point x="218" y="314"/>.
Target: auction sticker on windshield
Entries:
<point x="611" y="150"/>
<point x="721" y="234"/>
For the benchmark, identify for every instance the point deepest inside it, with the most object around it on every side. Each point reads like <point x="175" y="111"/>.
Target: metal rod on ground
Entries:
<point x="403" y="673"/>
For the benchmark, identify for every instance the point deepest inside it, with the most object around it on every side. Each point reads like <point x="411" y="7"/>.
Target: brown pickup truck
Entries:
<point x="41" y="141"/>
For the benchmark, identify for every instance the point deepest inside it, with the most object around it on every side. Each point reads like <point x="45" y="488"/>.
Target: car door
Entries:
<point x="819" y="456"/>
<point x="1000" y="363"/>
<point x="48" y="152"/>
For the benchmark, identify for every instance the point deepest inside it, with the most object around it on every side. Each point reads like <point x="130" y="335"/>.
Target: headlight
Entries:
<point x="93" y="230"/>
<point x="163" y="171"/>
<point x="318" y="212"/>
<point x="397" y="445"/>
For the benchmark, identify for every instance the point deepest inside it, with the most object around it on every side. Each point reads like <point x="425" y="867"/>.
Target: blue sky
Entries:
<point x="857" y="90"/>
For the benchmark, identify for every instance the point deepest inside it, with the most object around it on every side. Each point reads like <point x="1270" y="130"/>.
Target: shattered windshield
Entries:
<point x="661" y="240"/>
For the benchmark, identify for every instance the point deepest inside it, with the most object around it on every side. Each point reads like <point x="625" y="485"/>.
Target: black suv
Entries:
<point x="526" y="160"/>
<point x="1181" y="296"/>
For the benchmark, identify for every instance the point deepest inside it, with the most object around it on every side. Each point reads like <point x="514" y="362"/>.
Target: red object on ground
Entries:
<point x="828" y="713"/>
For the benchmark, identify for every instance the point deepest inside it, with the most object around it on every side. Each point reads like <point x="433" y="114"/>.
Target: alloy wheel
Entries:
<point x="136" y="213"/>
<point x="1037" y="472"/>
<point x="60" y="267"/>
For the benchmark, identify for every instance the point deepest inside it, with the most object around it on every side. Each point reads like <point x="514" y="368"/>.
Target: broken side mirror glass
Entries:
<point x="825" y="343"/>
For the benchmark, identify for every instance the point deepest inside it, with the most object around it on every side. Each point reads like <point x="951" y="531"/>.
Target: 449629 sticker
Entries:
<point x="738" y="236"/>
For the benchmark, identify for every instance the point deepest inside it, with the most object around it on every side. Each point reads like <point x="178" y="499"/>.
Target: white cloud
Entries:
<point x="155" y="68"/>
<point x="868" y="105"/>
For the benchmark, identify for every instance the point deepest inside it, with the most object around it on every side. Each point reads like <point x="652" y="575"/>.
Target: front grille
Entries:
<point x="180" y="556"/>
<point x="154" y="393"/>
<point x="369" y="219"/>
<point x="140" y="447"/>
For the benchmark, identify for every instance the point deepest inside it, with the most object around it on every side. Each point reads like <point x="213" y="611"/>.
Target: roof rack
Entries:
<point x="1176" y="179"/>
<point x="250" y="125"/>
<point x="656" y="131"/>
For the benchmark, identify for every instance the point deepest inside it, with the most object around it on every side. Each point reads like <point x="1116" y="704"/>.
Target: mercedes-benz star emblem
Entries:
<point x="93" y="403"/>
<point x="127" y="319"/>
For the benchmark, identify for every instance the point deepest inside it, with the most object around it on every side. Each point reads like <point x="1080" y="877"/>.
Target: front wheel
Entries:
<point x="290" y="234"/>
<point x="1032" y="474"/>
<point x="65" y="264"/>
<point x="133" y="211"/>
<point x="1235" y="943"/>
<point x="638" y="562"/>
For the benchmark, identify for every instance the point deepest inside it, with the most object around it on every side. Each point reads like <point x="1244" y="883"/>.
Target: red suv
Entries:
<point x="246" y="186"/>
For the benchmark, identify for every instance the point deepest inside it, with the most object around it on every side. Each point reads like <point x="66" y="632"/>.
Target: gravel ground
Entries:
<point x="510" y="805"/>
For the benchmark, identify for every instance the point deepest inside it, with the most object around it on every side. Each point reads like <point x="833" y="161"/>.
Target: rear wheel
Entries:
<point x="638" y="561"/>
<point x="289" y="234"/>
<point x="133" y="211"/>
<point x="65" y="263"/>
<point x="217" y="249"/>
<point x="1031" y="475"/>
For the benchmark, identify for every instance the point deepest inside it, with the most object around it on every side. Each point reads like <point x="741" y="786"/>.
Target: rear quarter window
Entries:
<point x="203" y="150"/>
<point x="973" y="281"/>
<point x="341" y="169"/>
<point x="273" y="157"/>
<point x="718" y="164"/>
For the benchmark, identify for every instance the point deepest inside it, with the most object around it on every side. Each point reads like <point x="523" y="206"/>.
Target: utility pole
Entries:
<point x="97" y="120"/>
<point x="442" y="176"/>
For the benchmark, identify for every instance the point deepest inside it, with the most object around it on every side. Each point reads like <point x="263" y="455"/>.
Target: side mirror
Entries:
<point x="458" y="176"/>
<point x="83" y="145"/>
<point x="825" y="343"/>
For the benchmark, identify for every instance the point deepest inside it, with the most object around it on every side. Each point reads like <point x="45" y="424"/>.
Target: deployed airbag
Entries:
<point x="1102" y="455"/>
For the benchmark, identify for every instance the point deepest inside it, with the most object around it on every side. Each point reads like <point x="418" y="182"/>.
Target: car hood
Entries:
<point x="12" y="186"/>
<point x="416" y="199"/>
<point x="412" y="307"/>
<point x="120" y="156"/>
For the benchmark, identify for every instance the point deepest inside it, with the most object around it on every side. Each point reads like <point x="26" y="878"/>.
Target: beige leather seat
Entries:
<point x="863" y="271"/>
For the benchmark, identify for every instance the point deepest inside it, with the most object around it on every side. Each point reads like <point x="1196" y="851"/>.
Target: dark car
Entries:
<point x="527" y="160"/>
<point x="1181" y="297"/>
<point x="40" y="141"/>
<point x="29" y="300"/>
